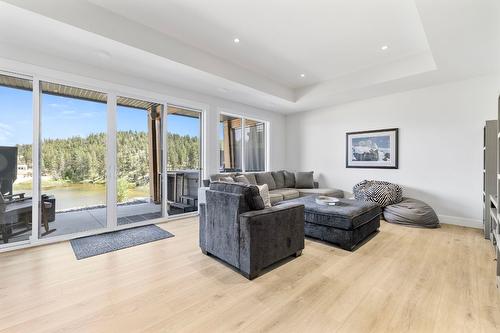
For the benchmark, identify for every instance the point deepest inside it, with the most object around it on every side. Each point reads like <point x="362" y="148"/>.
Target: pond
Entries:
<point x="81" y="195"/>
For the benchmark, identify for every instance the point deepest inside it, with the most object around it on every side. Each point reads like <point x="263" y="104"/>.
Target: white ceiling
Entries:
<point x="336" y="43"/>
<point x="282" y="39"/>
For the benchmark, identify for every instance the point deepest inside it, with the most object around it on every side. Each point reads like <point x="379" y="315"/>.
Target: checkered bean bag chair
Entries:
<point x="383" y="193"/>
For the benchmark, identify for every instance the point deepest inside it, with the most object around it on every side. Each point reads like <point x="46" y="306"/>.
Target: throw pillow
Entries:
<point x="264" y="193"/>
<point x="242" y="179"/>
<point x="226" y="179"/>
<point x="289" y="179"/>
<point x="266" y="178"/>
<point x="251" y="178"/>
<point x="304" y="180"/>
<point x="279" y="178"/>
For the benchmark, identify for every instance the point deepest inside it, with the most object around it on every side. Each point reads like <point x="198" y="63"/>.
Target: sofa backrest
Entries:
<point x="250" y="196"/>
<point x="274" y="179"/>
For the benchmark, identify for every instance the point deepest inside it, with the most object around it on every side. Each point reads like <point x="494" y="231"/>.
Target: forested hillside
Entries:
<point x="79" y="159"/>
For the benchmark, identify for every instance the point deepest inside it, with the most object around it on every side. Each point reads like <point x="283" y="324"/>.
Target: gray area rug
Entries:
<point x="94" y="245"/>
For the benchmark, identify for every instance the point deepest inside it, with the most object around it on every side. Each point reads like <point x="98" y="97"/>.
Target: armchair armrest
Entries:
<point x="255" y="215"/>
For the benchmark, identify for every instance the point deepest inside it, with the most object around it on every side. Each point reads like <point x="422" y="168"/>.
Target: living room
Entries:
<point x="249" y="166"/>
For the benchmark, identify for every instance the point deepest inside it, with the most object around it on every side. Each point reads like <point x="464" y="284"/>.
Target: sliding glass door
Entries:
<point x="184" y="127"/>
<point x="73" y="160"/>
<point x="76" y="161"/>
<point x="139" y="137"/>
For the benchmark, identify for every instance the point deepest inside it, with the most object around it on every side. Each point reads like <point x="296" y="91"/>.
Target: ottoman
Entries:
<point x="346" y="224"/>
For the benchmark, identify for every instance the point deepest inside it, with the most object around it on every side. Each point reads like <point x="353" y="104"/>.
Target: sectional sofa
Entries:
<point x="283" y="185"/>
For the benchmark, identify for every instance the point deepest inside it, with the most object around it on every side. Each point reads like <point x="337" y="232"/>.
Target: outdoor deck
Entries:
<point x="181" y="198"/>
<point x="93" y="219"/>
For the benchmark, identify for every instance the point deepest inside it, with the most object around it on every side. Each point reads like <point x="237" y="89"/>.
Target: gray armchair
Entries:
<point x="235" y="227"/>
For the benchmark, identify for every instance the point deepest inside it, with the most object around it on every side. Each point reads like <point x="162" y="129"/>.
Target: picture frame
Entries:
<point x="377" y="149"/>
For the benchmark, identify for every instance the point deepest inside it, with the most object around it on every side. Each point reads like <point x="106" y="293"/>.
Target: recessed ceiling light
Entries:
<point x="384" y="47"/>
<point x="302" y="75"/>
<point x="236" y="40"/>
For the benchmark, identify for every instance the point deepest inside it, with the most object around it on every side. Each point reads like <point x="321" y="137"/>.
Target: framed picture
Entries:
<point x="372" y="149"/>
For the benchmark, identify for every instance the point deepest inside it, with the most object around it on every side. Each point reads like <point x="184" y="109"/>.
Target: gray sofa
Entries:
<point x="282" y="184"/>
<point x="235" y="227"/>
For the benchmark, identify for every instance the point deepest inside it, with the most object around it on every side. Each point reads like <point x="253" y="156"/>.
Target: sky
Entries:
<point x="382" y="141"/>
<point x="64" y="117"/>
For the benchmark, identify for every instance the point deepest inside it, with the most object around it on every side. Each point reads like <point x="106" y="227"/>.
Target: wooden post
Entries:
<point x="154" y="136"/>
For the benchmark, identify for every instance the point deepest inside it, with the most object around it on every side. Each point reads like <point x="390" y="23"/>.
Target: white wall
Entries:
<point x="63" y="71"/>
<point x="440" y="143"/>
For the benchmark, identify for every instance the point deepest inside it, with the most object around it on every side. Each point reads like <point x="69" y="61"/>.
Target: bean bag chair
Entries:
<point x="411" y="212"/>
<point x="383" y="193"/>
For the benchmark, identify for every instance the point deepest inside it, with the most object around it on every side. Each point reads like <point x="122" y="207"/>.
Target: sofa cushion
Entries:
<point x="266" y="178"/>
<point x="251" y="178"/>
<point x="279" y="178"/>
<point x="217" y="176"/>
<point x="289" y="179"/>
<point x="275" y="197"/>
<point x="241" y="179"/>
<point x="264" y="193"/>
<point x="250" y="193"/>
<point x="288" y="193"/>
<point x="330" y="192"/>
<point x="304" y="179"/>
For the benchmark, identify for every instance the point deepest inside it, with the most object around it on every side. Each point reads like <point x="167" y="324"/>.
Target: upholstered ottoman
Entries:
<point x="346" y="224"/>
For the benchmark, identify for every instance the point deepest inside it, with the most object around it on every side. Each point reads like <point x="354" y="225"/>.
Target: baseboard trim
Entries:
<point x="461" y="221"/>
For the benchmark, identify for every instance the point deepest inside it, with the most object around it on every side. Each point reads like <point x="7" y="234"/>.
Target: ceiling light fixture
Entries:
<point x="236" y="40"/>
<point x="384" y="47"/>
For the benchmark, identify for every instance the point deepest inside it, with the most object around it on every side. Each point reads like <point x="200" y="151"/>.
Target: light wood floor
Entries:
<point x="402" y="280"/>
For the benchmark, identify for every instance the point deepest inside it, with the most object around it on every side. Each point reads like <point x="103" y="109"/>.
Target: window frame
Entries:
<point x="37" y="74"/>
<point x="243" y="120"/>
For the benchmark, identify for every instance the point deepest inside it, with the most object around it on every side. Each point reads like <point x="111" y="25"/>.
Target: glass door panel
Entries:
<point x="139" y="160"/>
<point x="183" y="160"/>
<point x="72" y="164"/>
<point x="16" y="167"/>
<point x="230" y="148"/>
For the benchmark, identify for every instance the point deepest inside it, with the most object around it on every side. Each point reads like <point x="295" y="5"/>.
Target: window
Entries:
<point x="72" y="162"/>
<point x="16" y="166"/>
<point x="238" y="155"/>
<point x="255" y="145"/>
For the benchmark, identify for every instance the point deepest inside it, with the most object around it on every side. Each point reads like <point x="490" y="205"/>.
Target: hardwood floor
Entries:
<point x="402" y="280"/>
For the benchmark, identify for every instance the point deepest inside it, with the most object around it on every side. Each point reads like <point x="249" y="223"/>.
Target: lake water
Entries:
<point x="83" y="195"/>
